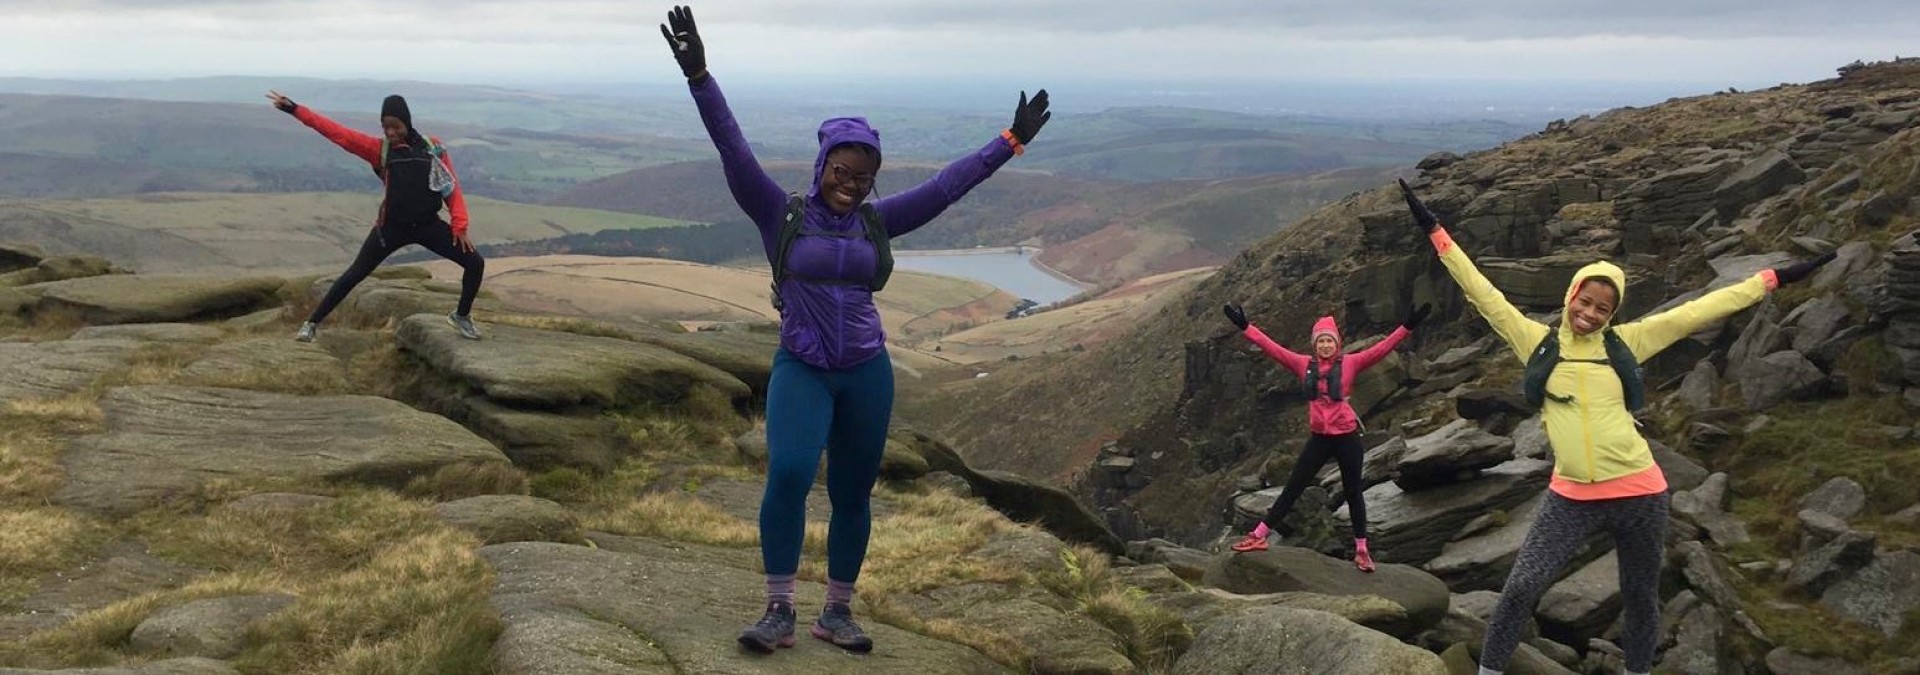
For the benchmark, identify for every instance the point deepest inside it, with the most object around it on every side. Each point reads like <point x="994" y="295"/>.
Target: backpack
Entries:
<point x="439" y="179"/>
<point x="792" y="226"/>
<point x="1547" y="356"/>
<point x="1333" y="379"/>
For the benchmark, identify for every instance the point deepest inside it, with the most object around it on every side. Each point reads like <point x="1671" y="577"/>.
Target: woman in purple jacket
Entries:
<point x="832" y="384"/>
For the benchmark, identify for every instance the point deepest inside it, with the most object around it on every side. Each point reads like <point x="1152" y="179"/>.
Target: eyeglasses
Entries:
<point x="845" y="175"/>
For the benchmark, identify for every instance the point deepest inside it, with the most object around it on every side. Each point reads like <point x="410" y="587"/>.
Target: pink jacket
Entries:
<point x="1326" y="416"/>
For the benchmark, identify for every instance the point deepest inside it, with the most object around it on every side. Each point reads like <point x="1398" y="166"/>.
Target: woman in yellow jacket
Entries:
<point x="1604" y="476"/>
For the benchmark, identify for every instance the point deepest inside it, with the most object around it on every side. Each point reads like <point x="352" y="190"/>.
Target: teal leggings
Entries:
<point x="844" y="412"/>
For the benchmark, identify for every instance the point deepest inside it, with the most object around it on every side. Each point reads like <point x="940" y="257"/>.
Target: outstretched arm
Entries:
<point x="1650" y="335"/>
<point x="1521" y="333"/>
<point x="364" y="146"/>
<point x="755" y="192"/>
<point x="1371" y="356"/>
<point x="1296" y="363"/>
<point x="907" y="211"/>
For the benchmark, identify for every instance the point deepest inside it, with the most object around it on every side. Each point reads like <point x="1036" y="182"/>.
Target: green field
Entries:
<point x="199" y="232"/>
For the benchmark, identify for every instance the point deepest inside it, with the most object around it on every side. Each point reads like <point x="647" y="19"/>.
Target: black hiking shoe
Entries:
<point x="836" y="626"/>
<point x="775" y="629"/>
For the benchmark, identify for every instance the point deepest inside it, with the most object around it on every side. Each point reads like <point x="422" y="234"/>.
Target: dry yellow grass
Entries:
<point x="677" y="516"/>
<point x="382" y="586"/>
<point x="469" y="479"/>
<point x="73" y="408"/>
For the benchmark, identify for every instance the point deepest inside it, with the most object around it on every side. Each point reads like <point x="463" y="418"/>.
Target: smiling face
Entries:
<point x="848" y="177"/>
<point x="1325" y="346"/>
<point x="1592" y="306"/>
<point x="395" y="130"/>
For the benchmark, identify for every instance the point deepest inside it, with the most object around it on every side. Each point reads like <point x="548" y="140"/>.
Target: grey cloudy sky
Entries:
<point x="1745" y="42"/>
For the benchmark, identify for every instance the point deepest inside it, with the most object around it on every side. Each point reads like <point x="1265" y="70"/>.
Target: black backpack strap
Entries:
<point x="1633" y="385"/>
<point x="790" y="223"/>
<point x="1334" y="380"/>
<point x="882" y="246"/>
<point x="1540" y="366"/>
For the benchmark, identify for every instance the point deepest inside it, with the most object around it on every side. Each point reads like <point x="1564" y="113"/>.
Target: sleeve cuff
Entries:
<point x="1442" y="242"/>
<point x="1014" y="142"/>
<point x="1772" y="278"/>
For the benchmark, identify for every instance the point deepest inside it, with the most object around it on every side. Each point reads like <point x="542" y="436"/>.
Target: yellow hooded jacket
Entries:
<point x="1593" y="436"/>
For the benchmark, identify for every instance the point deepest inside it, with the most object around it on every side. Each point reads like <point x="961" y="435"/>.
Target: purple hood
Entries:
<point x="840" y="131"/>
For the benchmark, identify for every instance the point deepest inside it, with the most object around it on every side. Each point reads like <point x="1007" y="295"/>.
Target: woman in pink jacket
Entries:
<point x="1326" y="378"/>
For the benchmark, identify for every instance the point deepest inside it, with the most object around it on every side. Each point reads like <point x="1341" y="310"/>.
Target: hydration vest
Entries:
<point x="793" y="226"/>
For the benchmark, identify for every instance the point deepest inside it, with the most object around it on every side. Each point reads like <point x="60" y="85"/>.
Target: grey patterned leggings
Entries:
<point x="1639" y="529"/>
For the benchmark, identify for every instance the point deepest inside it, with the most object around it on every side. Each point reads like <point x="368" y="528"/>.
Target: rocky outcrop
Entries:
<point x="571" y="609"/>
<point x="1449" y="455"/>
<point x="501" y="519"/>
<point x="1413" y="527"/>
<point x="1284" y="568"/>
<point x="1020" y="498"/>
<point x="215" y="628"/>
<point x="1284" y="639"/>
<point x="156" y="298"/>
<point x="152" y="332"/>
<point x="1883" y="595"/>
<point x="161" y="442"/>
<point x="56" y="369"/>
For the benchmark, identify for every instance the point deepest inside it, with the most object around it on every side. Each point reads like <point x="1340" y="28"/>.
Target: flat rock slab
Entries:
<point x="161" y="441"/>
<point x="1284" y="568"/>
<point x="124" y="571"/>
<point x="55" y="369"/>
<point x="215" y="628"/>
<point x="156" y="298"/>
<point x="530" y="368"/>
<point x="498" y="519"/>
<point x="1414" y="527"/>
<point x="152" y="332"/>
<point x="192" y="666"/>
<point x="1288" y="640"/>
<point x="571" y="609"/>
<point x="296" y="363"/>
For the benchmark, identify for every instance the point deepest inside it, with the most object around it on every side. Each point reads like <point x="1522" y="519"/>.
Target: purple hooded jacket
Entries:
<point x="829" y="325"/>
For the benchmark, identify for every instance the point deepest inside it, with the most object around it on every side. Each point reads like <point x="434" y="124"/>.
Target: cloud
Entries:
<point x="1371" y="19"/>
<point x="1744" y="42"/>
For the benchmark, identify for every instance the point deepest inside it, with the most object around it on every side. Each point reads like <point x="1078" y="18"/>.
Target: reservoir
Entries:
<point x="1016" y="273"/>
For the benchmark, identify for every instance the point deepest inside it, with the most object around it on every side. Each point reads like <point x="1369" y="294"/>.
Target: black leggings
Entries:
<point x="434" y="235"/>
<point x="1346" y="449"/>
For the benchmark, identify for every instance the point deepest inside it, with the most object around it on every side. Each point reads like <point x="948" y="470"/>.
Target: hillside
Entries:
<point x="167" y="232"/>
<point x="67" y="146"/>
<point x="1174" y="428"/>
<point x="188" y="492"/>
<point x="1105" y="232"/>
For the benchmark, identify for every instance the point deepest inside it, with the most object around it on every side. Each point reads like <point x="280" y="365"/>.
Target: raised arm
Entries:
<point x="364" y="146"/>
<point x="1371" y="356"/>
<point x="755" y="192"/>
<point x="1651" y="334"/>
<point x="1293" y="362"/>
<point x="1520" y="333"/>
<point x="907" y="211"/>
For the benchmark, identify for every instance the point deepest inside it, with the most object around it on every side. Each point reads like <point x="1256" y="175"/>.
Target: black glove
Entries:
<point x="1416" y="317"/>
<point x="684" y="40"/>
<point x="1030" y="116"/>
<point x="1800" y="270"/>
<point x="1422" y="215"/>
<point x="1236" y="315"/>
